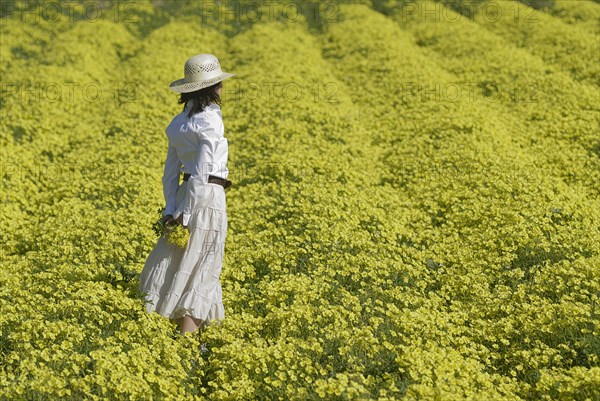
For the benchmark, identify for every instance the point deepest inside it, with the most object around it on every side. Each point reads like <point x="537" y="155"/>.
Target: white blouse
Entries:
<point x="199" y="146"/>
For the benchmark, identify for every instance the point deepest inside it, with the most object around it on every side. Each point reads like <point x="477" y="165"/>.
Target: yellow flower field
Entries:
<point x="414" y="215"/>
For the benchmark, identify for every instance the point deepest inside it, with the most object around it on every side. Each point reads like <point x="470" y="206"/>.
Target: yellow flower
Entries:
<point x="175" y="234"/>
<point x="178" y="235"/>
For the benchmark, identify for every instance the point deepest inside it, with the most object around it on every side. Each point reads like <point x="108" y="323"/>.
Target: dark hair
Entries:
<point x="202" y="98"/>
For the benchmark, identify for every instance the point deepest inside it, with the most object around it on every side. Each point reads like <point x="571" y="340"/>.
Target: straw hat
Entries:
<point x="201" y="71"/>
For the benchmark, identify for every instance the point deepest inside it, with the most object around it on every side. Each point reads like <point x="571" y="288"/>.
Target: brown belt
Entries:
<point x="212" y="179"/>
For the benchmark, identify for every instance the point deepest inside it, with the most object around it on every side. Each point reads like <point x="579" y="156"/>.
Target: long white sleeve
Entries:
<point x="203" y="166"/>
<point x="170" y="180"/>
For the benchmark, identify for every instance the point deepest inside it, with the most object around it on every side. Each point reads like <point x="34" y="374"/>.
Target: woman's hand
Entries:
<point x="168" y="220"/>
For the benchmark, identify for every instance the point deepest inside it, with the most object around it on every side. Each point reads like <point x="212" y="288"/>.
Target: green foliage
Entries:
<point x="568" y="46"/>
<point x="504" y="75"/>
<point x="585" y="14"/>
<point x="539" y="4"/>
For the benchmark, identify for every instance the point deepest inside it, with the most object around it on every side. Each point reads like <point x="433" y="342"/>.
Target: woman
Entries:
<point x="183" y="283"/>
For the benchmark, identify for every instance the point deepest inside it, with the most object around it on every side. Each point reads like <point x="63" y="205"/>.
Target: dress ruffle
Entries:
<point x="186" y="281"/>
<point x="198" y="194"/>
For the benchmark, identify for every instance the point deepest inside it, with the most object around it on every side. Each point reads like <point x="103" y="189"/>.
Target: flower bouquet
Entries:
<point x="175" y="234"/>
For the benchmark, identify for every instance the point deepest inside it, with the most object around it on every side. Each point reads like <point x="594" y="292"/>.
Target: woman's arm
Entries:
<point x="203" y="166"/>
<point x="170" y="180"/>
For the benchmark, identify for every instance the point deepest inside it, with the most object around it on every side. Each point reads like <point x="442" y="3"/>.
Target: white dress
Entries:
<point x="186" y="281"/>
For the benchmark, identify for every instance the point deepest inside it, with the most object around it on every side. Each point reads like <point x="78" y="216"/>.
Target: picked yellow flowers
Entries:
<point x="175" y="234"/>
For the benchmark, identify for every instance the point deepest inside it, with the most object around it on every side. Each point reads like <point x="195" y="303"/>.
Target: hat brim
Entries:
<point x="181" y="86"/>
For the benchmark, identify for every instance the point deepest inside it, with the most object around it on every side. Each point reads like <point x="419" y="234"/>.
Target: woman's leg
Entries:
<point x="189" y="324"/>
